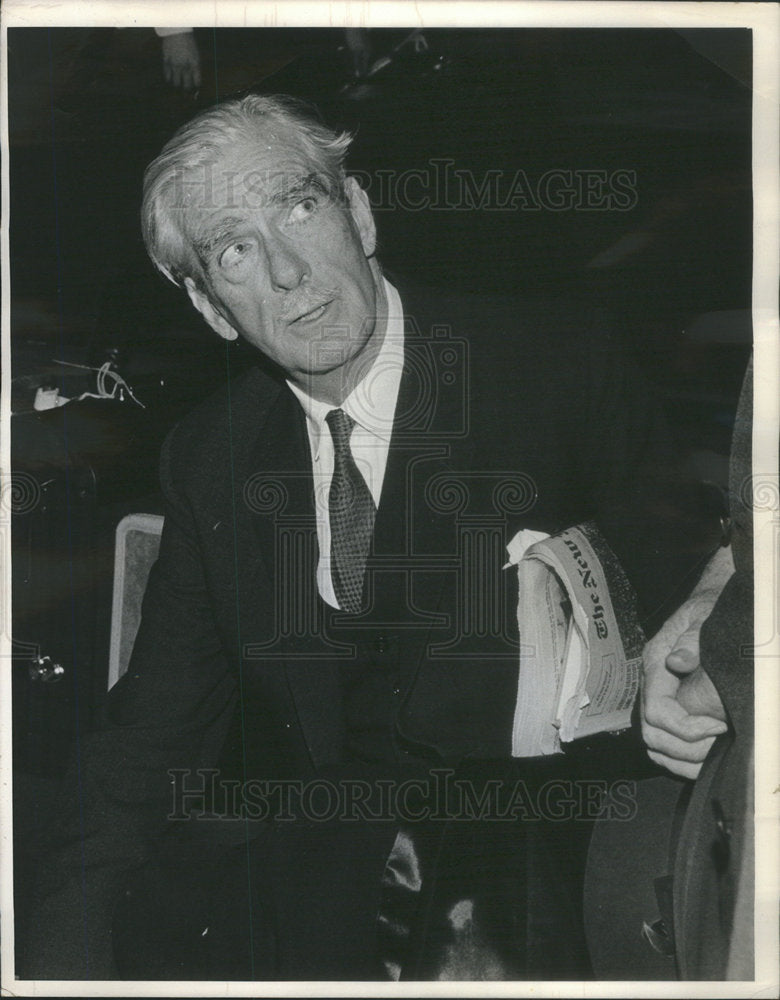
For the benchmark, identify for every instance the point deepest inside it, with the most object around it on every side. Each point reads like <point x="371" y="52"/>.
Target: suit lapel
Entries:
<point x="279" y="489"/>
<point x="285" y="529"/>
<point x="455" y="667"/>
<point x="414" y="539"/>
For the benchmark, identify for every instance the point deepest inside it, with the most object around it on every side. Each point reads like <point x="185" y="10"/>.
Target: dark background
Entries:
<point x="671" y="276"/>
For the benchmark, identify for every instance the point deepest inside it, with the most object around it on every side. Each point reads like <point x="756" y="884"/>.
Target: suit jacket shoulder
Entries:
<point x="219" y="430"/>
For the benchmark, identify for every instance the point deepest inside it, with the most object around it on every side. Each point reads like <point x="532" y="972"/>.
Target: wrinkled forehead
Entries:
<point x="254" y="174"/>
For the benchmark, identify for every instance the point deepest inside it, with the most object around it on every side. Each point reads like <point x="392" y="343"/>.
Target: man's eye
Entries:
<point x="303" y="209"/>
<point x="236" y="253"/>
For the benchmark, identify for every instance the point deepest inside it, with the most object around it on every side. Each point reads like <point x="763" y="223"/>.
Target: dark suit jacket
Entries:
<point x="502" y="422"/>
<point x="687" y="855"/>
<point x="713" y="871"/>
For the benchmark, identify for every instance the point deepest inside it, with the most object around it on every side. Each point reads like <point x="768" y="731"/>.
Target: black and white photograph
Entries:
<point x="389" y="506"/>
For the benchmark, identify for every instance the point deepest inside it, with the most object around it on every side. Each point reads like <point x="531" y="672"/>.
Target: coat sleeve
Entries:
<point x="170" y="710"/>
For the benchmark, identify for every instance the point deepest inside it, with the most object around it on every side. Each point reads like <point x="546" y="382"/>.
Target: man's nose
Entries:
<point x="286" y="267"/>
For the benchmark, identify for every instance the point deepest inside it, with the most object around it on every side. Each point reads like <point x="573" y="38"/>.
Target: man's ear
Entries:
<point x="360" y="209"/>
<point x="202" y="303"/>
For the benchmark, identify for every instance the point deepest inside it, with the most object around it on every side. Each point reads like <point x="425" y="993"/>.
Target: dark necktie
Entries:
<point x="352" y="513"/>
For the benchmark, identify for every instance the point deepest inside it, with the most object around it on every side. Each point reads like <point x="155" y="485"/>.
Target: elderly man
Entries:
<point x="329" y="612"/>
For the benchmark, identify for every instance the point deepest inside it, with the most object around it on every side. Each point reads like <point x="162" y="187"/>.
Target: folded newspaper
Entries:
<point x="580" y="640"/>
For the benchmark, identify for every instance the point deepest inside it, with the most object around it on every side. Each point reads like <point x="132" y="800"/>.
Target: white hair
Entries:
<point x="200" y="143"/>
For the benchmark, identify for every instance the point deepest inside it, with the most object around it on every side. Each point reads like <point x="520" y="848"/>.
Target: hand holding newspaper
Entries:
<point x="580" y="640"/>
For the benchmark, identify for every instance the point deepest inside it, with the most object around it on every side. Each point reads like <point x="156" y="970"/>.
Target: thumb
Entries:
<point x="684" y="655"/>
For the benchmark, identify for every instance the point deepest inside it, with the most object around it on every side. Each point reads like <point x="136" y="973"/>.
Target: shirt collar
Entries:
<point x="371" y="404"/>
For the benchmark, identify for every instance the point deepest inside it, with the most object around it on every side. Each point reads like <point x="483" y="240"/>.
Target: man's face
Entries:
<point x="286" y="263"/>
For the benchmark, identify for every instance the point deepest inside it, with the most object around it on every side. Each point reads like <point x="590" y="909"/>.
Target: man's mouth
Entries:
<point x="312" y="315"/>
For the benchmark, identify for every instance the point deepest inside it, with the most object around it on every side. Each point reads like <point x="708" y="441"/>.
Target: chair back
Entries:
<point x="136" y="548"/>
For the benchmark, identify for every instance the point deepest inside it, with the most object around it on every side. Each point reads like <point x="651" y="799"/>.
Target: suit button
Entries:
<point x="722" y="824"/>
<point x="720" y="847"/>
<point x="381" y="644"/>
<point x="396" y="690"/>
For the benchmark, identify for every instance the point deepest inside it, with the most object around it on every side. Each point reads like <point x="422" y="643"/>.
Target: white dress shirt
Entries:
<point x="371" y="404"/>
